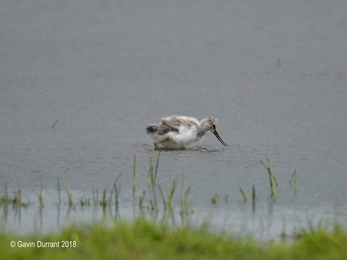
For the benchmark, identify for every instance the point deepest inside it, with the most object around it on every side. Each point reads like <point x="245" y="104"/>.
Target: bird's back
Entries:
<point x="175" y="127"/>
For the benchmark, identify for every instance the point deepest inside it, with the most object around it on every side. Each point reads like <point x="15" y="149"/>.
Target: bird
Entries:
<point x="176" y="132"/>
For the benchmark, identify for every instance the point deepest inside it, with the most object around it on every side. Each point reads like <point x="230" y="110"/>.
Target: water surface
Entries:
<point x="273" y="73"/>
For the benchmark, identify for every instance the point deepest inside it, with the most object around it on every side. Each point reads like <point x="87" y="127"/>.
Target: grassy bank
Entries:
<point x="143" y="239"/>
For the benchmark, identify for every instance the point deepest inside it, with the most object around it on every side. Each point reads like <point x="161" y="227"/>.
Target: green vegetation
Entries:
<point x="163" y="239"/>
<point x="153" y="189"/>
<point x="144" y="239"/>
<point x="273" y="181"/>
<point x="243" y="195"/>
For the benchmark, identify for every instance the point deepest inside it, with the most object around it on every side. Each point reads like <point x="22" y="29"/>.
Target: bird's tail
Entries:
<point x="151" y="129"/>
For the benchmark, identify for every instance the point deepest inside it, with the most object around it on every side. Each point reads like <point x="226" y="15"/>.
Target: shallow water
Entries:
<point x="274" y="74"/>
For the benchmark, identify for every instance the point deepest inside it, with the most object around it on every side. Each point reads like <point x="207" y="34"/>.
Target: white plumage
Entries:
<point x="176" y="132"/>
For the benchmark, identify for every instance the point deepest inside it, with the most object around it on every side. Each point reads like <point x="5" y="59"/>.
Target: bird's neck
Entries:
<point x="202" y="129"/>
<point x="201" y="134"/>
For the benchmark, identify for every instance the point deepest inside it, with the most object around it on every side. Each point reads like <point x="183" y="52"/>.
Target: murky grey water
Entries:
<point x="273" y="73"/>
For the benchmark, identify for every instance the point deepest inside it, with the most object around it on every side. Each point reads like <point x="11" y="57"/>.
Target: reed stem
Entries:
<point x="156" y="167"/>
<point x="243" y="195"/>
<point x="59" y="197"/>
<point x="104" y="201"/>
<point x="171" y="193"/>
<point x="150" y="170"/>
<point x="254" y="197"/>
<point x="162" y="196"/>
<point x="117" y="189"/>
<point x="141" y="199"/>
<point x="69" y="195"/>
<point x="273" y="181"/>
<point x="54" y="124"/>
<point x="134" y="175"/>
<point x="292" y="181"/>
<point x="42" y="194"/>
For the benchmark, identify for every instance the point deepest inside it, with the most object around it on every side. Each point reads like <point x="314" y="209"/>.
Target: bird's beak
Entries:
<point x="219" y="138"/>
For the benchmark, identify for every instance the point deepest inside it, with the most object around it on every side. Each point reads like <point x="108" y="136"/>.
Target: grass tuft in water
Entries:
<point x="162" y="196"/>
<point x="134" y="176"/>
<point x="103" y="202"/>
<point x="186" y="208"/>
<point x="42" y="194"/>
<point x="243" y="195"/>
<point x="155" y="205"/>
<point x="141" y="200"/>
<point x="116" y="188"/>
<point x="59" y="196"/>
<point x="292" y="181"/>
<point x="254" y="197"/>
<point x="17" y="199"/>
<point x="273" y="181"/>
<point x="69" y="195"/>
<point x="150" y="169"/>
<point x="171" y="194"/>
<point x="215" y="199"/>
<point x="5" y="198"/>
<point x="156" y="167"/>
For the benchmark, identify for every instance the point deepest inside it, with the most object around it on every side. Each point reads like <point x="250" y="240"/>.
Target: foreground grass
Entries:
<point x="143" y="239"/>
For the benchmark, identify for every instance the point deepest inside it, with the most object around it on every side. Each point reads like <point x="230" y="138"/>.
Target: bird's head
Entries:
<point x="211" y="124"/>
